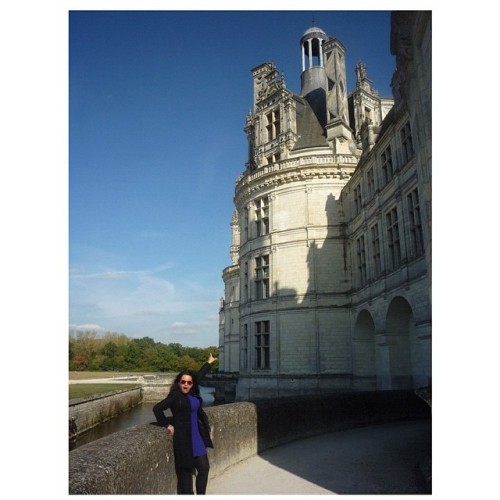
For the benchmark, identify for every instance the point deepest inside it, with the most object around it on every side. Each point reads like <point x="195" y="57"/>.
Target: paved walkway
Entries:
<point x="380" y="459"/>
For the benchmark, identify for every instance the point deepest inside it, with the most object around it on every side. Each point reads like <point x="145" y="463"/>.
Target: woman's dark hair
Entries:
<point x="195" y="389"/>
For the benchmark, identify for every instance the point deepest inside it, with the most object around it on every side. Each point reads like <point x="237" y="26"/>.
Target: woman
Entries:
<point x="190" y="429"/>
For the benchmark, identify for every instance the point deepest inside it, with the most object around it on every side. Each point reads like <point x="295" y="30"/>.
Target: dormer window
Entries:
<point x="273" y="124"/>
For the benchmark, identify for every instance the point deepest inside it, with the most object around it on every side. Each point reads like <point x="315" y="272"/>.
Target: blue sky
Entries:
<point x="157" y="106"/>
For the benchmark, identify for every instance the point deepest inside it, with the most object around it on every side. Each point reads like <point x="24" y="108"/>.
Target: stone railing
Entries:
<point x="340" y="166"/>
<point x="140" y="460"/>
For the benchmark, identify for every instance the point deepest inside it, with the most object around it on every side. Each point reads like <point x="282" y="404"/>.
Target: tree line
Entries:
<point x="117" y="352"/>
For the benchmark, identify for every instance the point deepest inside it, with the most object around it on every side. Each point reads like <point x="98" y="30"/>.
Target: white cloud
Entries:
<point x="143" y="303"/>
<point x="179" y="324"/>
<point x="86" y="328"/>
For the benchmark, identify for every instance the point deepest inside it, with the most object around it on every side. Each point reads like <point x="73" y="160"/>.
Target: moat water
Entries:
<point x="141" y="414"/>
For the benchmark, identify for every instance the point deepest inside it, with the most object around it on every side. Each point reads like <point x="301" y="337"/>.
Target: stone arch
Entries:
<point x="399" y="334"/>
<point x="363" y="352"/>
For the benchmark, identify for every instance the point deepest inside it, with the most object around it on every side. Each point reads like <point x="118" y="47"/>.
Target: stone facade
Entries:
<point x="329" y="287"/>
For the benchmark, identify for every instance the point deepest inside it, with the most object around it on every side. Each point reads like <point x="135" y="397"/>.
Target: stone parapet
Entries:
<point x="288" y="419"/>
<point x="140" y="460"/>
<point x="86" y="413"/>
<point x="152" y="393"/>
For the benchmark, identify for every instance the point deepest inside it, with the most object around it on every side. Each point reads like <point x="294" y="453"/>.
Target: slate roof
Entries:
<point x="309" y="129"/>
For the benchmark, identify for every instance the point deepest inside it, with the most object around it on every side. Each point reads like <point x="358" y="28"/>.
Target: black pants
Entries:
<point x="185" y="477"/>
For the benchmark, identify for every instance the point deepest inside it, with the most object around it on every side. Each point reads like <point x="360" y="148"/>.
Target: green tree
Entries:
<point x="177" y="349"/>
<point x="148" y="358"/>
<point x="110" y="349"/>
<point x="71" y="346"/>
<point x="96" y="363"/>
<point x="109" y="352"/>
<point x="132" y="356"/>
<point x="166" y="359"/>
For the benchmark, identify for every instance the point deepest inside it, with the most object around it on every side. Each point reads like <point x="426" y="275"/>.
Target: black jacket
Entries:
<point x="181" y="420"/>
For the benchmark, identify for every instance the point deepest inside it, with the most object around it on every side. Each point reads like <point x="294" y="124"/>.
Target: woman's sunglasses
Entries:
<point x="188" y="382"/>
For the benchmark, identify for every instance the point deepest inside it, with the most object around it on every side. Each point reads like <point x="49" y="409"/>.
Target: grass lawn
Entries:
<point x="91" y="375"/>
<point x="84" y="390"/>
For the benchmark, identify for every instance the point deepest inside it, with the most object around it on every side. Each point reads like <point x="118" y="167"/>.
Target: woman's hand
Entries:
<point x="211" y="359"/>
<point x="170" y="429"/>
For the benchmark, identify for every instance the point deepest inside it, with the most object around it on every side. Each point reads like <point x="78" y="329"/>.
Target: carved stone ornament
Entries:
<point x="269" y="85"/>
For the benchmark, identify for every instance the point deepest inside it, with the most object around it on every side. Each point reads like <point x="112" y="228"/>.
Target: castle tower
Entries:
<point x="290" y="252"/>
<point x="313" y="77"/>
<point x="339" y="134"/>
<point x="328" y="289"/>
<point x="229" y="338"/>
<point x="324" y="86"/>
<point x="367" y="109"/>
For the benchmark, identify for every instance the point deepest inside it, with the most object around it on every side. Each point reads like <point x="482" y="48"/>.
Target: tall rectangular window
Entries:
<point x="262" y="277"/>
<point x="416" y="235"/>
<point x="370" y="181"/>
<point x="244" y="347"/>
<point x="406" y="143"/>
<point x="245" y="281"/>
<point x="276" y="123"/>
<point x="262" y="216"/>
<point x="273" y="124"/>
<point x="357" y="199"/>
<point x="377" y="267"/>
<point x="246" y="225"/>
<point x="393" y="240"/>
<point x="387" y="169"/>
<point x="261" y="345"/>
<point x="360" y="243"/>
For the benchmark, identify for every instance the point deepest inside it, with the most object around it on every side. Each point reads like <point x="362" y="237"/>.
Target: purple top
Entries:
<point x="198" y="444"/>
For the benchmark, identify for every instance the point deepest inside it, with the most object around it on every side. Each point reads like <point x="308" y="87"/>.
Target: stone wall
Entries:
<point x="152" y="393"/>
<point x="94" y="410"/>
<point x="140" y="460"/>
<point x="280" y="421"/>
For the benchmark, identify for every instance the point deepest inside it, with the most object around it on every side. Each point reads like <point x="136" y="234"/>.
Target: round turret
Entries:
<point x="311" y="43"/>
<point x="314" y="30"/>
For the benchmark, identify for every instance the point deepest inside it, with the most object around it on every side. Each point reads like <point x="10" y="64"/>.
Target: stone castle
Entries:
<point x="329" y="288"/>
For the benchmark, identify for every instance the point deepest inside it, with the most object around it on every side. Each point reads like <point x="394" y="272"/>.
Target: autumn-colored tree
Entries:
<point x="188" y="363"/>
<point x="79" y="362"/>
<point x="116" y="338"/>
<point x="114" y="351"/>
<point x="83" y="349"/>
